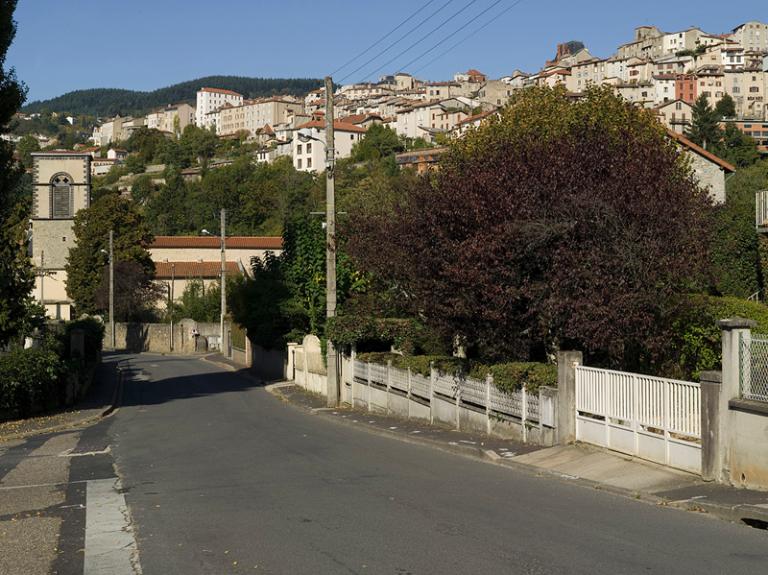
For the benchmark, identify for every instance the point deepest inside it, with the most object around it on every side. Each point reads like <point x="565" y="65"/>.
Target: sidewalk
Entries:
<point x="591" y="467"/>
<point x="99" y="401"/>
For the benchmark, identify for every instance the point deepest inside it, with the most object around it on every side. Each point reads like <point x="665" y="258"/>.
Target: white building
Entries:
<point x="171" y="118"/>
<point x="211" y="99"/>
<point x="752" y="36"/>
<point x="309" y="156"/>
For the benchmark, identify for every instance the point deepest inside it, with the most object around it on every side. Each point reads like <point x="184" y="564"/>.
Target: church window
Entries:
<point x="62" y="199"/>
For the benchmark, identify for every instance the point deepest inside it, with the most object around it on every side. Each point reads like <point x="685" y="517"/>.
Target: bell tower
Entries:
<point x="61" y="187"/>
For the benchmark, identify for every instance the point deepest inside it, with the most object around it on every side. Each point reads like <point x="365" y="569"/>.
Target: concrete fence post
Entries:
<point x="389" y="383"/>
<point x="408" y="413"/>
<point x="734" y="331"/>
<point x="566" y="395"/>
<point x="711" y="450"/>
<point x="488" y="384"/>
<point x="306" y="365"/>
<point x="432" y="376"/>
<point x="368" y="379"/>
<point x="524" y="411"/>
<point x="458" y="405"/>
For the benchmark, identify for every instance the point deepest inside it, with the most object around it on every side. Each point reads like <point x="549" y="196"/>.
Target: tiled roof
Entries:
<point x="701" y="151"/>
<point x="242" y="242"/>
<point x="338" y="125"/>
<point x="181" y="270"/>
<point x="220" y="91"/>
<point x="476" y="117"/>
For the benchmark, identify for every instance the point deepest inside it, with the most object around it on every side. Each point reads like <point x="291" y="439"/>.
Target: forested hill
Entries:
<point x="111" y="101"/>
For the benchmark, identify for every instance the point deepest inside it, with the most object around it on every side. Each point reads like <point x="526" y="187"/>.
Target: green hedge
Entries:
<point x="94" y="337"/>
<point x="507" y="376"/>
<point x="29" y="379"/>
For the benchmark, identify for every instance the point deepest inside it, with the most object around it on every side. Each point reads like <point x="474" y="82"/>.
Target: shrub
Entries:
<point x="29" y="380"/>
<point x="94" y="337"/>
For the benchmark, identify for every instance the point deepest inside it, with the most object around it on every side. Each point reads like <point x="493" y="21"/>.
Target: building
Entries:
<point x="756" y="130"/>
<point x="709" y="170"/>
<point x="181" y="259"/>
<point x="61" y="187"/>
<point x="309" y="156"/>
<point x="422" y="160"/>
<point x="253" y="115"/>
<point x="752" y="36"/>
<point x="172" y="118"/>
<point x="210" y="100"/>
<point x="675" y="115"/>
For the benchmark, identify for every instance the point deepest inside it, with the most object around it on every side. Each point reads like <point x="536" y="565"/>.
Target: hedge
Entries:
<point x="29" y="380"/>
<point x="507" y="376"/>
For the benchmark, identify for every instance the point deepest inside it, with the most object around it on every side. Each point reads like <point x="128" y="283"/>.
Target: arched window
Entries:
<point x="62" y="199"/>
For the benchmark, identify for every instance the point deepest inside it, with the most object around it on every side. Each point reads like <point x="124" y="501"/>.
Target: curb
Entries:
<point x="741" y="514"/>
<point x="106" y="412"/>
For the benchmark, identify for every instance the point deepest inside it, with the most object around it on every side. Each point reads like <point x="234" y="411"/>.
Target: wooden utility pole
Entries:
<point x="112" y="287"/>
<point x="223" y="279"/>
<point x="330" y="229"/>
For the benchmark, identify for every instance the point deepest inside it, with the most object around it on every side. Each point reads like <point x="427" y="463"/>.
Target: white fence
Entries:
<point x="650" y="417"/>
<point x="451" y="398"/>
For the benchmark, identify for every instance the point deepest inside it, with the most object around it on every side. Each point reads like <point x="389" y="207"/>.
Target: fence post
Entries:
<point x="408" y="413"/>
<point x="432" y="376"/>
<point x="368" y="380"/>
<point x="389" y="382"/>
<point x="711" y="449"/>
<point x="458" y="405"/>
<point x="488" y="384"/>
<point x="306" y="365"/>
<point x="524" y="411"/>
<point x="353" y="354"/>
<point x="734" y="330"/>
<point x="566" y="395"/>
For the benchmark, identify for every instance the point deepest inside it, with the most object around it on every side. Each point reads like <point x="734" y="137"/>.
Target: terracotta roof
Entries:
<point x="243" y="242"/>
<point x="338" y="125"/>
<point x="701" y="151"/>
<point x="220" y="91"/>
<point x="181" y="270"/>
<point x="476" y="117"/>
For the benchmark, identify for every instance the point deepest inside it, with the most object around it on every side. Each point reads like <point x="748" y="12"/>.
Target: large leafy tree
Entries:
<point x="379" y="142"/>
<point x="16" y="277"/>
<point x="87" y="261"/>
<point x="559" y="223"/>
<point x="726" y="107"/>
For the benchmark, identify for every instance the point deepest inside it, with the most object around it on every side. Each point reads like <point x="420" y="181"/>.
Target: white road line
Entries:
<point x="110" y="546"/>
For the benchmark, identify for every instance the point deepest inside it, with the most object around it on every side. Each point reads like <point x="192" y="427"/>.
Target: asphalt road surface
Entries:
<point x="221" y="477"/>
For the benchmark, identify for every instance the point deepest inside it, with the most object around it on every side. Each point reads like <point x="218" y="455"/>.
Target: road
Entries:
<point x="221" y="477"/>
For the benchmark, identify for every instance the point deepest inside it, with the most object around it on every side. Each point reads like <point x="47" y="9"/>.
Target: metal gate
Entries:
<point x="652" y="418"/>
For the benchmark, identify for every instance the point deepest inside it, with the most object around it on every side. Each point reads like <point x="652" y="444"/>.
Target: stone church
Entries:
<point x="61" y="187"/>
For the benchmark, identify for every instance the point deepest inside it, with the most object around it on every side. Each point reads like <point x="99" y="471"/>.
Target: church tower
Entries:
<point x="61" y="187"/>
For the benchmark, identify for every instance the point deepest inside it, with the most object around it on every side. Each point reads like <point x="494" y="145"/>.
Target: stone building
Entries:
<point x="61" y="187"/>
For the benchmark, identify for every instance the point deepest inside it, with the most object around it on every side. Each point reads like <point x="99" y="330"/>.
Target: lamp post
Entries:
<point x="330" y="234"/>
<point x="223" y="244"/>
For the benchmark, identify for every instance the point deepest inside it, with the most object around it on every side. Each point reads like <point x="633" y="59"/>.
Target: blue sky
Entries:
<point x="64" y="45"/>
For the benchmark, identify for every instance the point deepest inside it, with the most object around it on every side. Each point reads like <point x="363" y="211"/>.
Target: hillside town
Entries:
<point x="662" y="71"/>
<point x="422" y="324"/>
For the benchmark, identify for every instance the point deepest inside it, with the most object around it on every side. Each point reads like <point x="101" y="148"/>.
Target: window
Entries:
<point x="309" y="147"/>
<point x="352" y="137"/>
<point x="309" y="162"/>
<point x="298" y="149"/>
<point x="298" y="164"/>
<point x="679" y="106"/>
<point x="61" y="197"/>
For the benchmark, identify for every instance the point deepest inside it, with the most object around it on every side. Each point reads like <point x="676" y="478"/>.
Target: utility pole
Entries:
<point x="330" y="230"/>
<point x="112" y="288"/>
<point x="223" y="278"/>
<point x="170" y="299"/>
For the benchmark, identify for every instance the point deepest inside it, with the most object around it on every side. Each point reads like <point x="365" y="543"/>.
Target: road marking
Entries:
<point x="110" y="545"/>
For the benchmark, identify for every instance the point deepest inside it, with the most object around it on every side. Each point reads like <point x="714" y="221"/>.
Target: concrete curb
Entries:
<point x="78" y="423"/>
<point x="758" y="516"/>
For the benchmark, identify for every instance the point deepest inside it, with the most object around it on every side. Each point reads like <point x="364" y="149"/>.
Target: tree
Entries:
<point x="726" y="107"/>
<point x="560" y="223"/>
<point x="379" y="142"/>
<point x="705" y="124"/>
<point x="87" y="260"/>
<point x="16" y="277"/>
<point x="24" y="148"/>
<point x="135" y="292"/>
<point x="737" y="147"/>
<point x="200" y="303"/>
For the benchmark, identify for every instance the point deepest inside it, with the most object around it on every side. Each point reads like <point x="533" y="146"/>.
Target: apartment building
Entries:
<point x="210" y="100"/>
<point x="253" y="115"/>
<point x="752" y="36"/>
<point x="675" y="114"/>
<point x="309" y="153"/>
<point x="172" y="118"/>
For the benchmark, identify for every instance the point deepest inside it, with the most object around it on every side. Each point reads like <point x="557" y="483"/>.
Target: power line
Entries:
<point x="427" y="35"/>
<point x="400" y="39"/>
<point x="380" y="40"/>
<point x="420" y="56"/>
<point x="468" y="36"/>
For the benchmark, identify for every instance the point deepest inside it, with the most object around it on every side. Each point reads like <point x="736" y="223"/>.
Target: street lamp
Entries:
<point x="223" y="243"/>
